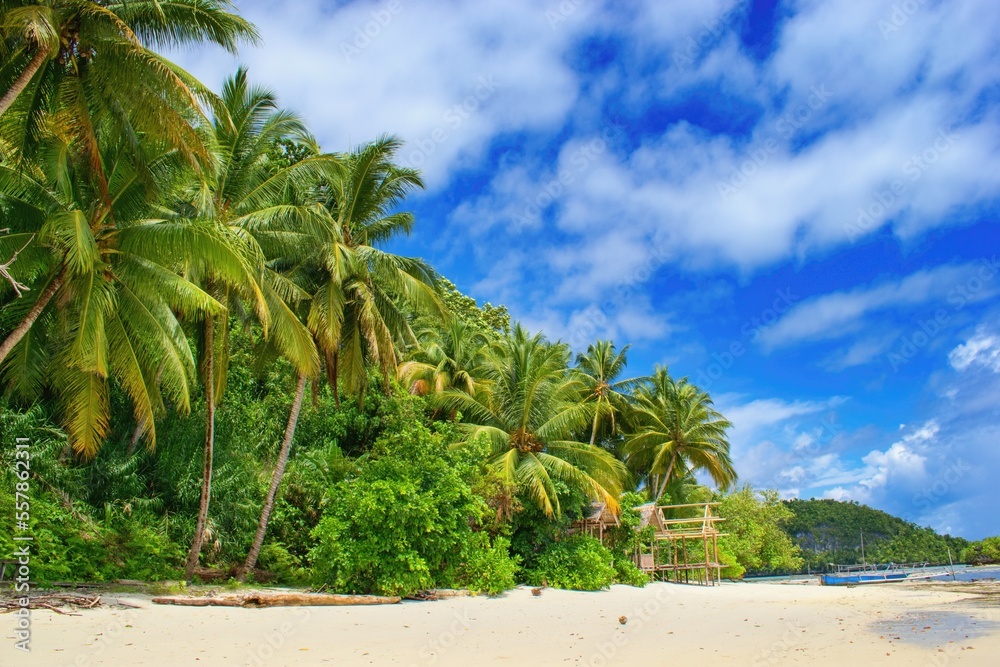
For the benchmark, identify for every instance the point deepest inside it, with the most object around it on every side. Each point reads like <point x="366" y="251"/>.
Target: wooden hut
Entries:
<point x="596" y="519"/>
<point x="685" y="542"/>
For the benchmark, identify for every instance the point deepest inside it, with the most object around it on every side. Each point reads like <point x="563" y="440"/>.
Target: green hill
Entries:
<point x="829" y="531"/>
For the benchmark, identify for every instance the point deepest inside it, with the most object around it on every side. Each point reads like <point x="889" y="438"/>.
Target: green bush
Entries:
<point x="488" y="569"/>
<point x="755" y="537"/>
<point x="983" y="552"/>
<point x="578" y="563"/>
<point x="624" y="539"/>
<point x="628" y="573"/>
<point x="401" y="525"/>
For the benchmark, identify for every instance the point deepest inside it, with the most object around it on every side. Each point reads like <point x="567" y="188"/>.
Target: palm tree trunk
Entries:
<point x="279" y="471"/>
<point x="593" y="434"/>
<point x="206" y="473"/>
<point x="333" y="372"/>
<point x="19" y="332"/>
<point x="41" y="55"/>
<point x="666" y="478"/>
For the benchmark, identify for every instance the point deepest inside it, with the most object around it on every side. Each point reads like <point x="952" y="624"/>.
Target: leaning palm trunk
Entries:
<point x="666" y="478"/>
<point x="206" y="474"/>
<point x="19" y="332"/>
<point x="41" y="55"/>
<point x="279" y="471"/>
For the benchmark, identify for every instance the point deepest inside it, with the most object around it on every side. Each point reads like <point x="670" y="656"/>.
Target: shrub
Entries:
<point x="488" y="569"/>
<point x="577" y="563"/>
<point x="402" y="524"/>
<point x="626" y="572"/>
<point x="624" y="539"/>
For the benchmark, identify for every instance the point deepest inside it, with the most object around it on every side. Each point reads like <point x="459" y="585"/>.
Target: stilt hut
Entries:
<point x="685" y="543"/>
<point x="596" y="519"/>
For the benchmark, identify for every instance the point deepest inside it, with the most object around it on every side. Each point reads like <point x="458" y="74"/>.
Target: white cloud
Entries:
<point x="860" y="352"/>
<point x="750" y="418"/>
<point x="412" y="72"/>
<point x="981" y="350"/>
<point x="843" y="313"/>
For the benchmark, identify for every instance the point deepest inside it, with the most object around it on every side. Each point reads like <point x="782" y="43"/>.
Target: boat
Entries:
<point x="853" y="575"/>
<point x="884" y="573"/>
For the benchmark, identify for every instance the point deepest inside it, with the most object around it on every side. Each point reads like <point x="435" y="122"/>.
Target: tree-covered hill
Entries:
<point x="829" y="531"/>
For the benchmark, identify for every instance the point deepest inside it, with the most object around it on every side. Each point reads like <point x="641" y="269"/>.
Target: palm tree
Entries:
<point x="77" y="69"/>
<point x="358" y="289"/>
<point x="527" y="414"/>
<point x="115" y="270"/>
<point x="674" y="429"/>
<point x="445" y="359"/>
<point x="598" y="371"/>
<point x="248" y="201"/>
<point x="59" y="49"/>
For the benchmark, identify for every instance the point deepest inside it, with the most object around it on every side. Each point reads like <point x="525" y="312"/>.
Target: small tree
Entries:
<point x="756" y="540"/>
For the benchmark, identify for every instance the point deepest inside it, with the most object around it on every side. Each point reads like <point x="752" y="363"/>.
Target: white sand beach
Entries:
<point x="737" y="623"/>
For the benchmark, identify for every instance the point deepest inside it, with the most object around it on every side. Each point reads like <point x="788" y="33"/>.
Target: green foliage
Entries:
<point x="624" y="539"/>
<point x="983" y="552"/>
<point x="400" y="525"/>
<point x="628" y="573"/>
<point x="578" y="563"/>
<point x="488" y="319"/>
<point x="532" y="531"/>
<point x="755" y="536"/>
<point x="73" y="541"/>
<point x="487" y="568"/>
<point x="829" y="531"/>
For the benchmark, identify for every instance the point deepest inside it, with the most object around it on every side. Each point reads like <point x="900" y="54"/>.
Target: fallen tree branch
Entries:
<point x="52" y="601"/>
<point x="257" y="600"/>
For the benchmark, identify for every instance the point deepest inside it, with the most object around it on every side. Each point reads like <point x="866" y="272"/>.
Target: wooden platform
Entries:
<point x="685" y="543"/>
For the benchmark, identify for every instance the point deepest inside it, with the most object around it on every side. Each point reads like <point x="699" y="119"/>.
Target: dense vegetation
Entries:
<point x="829" y="531"/>
<point x="222" y="371"/>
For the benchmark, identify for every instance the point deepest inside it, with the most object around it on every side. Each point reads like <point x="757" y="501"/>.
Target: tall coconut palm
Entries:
<point x="528" y="413"/>
<point x="118" y="286"/>
<point x="248" y="201"/>
<point x="673" y="429"/>
<point x="79" y="70"/>
<point x="445" y="359"/>
<point x="599" y="370"/>
<point x="359" y="289"/>
<point x="95" y="57"/>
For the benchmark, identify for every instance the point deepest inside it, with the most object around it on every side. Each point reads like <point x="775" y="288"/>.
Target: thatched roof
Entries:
<point x="650" y="516"/>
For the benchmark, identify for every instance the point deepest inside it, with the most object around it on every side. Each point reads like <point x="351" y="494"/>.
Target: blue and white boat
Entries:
<point x="852" y="575"/>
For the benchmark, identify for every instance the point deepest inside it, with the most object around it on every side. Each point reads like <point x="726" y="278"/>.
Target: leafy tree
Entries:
<point x="754" y="523"/>
<point x="489" y="320"/>
<point x="579" y="563"/>
<point x="402" y="524"/>
<point x="983" y="552"/>
<point x="527" y="411"/>
<point x="675" y="429"/>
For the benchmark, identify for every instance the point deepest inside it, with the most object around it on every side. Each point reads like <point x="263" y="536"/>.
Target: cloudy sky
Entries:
<point x="793" y="203"/>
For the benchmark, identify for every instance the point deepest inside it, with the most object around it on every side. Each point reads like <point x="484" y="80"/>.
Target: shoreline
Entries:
<point x="761" y="624"/>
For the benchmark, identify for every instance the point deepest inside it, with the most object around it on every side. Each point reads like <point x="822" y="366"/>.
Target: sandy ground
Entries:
<point x="735" y="624"/>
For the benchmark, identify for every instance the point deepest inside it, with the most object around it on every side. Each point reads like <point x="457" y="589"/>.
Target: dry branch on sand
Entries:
<point x="53" y="602"/>
<point x="255" y="600"/>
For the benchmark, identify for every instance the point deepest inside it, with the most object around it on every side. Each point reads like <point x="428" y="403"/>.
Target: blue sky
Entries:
<point x="793" y="203"/>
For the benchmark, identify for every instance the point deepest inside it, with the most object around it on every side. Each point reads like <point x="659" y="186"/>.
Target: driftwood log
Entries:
<point x="53" y="602"/>
<point x="255" y="600"/>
